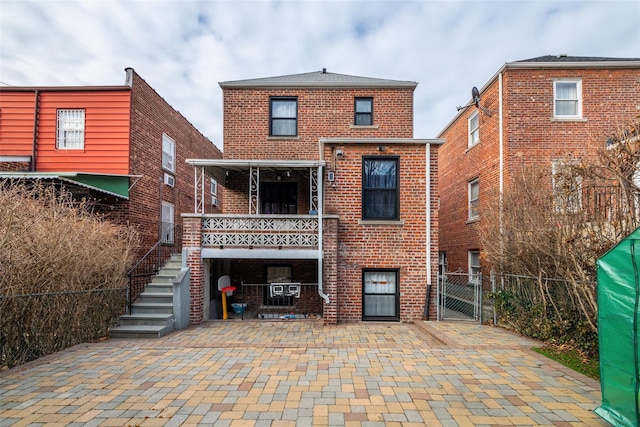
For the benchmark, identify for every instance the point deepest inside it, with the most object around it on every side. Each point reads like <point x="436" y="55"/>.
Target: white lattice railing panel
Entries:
<point x="260" y="231"/>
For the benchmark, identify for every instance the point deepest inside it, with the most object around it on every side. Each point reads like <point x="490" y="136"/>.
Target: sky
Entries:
<point x="184" y="48"/>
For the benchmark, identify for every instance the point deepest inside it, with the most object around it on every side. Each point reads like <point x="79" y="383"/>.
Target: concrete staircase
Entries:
<point x="152" y="312"/>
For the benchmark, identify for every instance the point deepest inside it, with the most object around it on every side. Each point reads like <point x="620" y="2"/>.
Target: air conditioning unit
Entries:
<point x="214" y="201"/>
<point x="169" y="180"/>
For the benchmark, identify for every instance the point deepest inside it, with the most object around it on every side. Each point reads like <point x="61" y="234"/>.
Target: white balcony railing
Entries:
<point x="275" y="231"/>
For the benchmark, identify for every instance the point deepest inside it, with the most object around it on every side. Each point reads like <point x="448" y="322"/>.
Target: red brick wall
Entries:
<point x="531" y="136"/>
<point x="328" y="113"/>
<point x="151" y="116"/>
<point x="393" y="245"/>
<point x="321" y="113"/>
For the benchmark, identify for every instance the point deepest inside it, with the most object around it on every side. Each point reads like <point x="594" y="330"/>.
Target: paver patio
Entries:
<point x="301" y="373"/>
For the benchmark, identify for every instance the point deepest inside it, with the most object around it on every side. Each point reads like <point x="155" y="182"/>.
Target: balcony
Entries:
<point x="260" y="236"/>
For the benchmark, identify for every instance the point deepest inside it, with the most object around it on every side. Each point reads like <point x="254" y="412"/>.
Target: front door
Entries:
<point x="380" y="295"/>
<point x="279" y="198"/>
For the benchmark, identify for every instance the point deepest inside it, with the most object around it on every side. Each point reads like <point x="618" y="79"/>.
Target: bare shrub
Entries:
<point x="556" y="225"/>
<point x="62" y="271"/>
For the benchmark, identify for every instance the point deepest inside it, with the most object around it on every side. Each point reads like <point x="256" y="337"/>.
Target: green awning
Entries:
<point x="115" y="185"/>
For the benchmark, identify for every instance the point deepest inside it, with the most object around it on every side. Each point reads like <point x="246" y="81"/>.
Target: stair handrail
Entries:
<point x="164" y="239"/>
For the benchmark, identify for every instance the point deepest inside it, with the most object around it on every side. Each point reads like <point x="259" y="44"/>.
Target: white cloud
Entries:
<point x="184" y="48"/>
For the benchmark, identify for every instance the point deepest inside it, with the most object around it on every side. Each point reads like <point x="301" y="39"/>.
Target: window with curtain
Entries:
<point x="168" y="153"/>
<point x="364" y="111"/>
<point x="284" y="117"/>
<point x="380" y="294"/>
<point x="474" y="129"/>
<point x="380" y="193"/>
<point x="474" y="199"/>
<point x="567" y="98"/>
<point x="70" y="129"/>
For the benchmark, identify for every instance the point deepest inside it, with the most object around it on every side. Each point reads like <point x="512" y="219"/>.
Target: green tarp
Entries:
<point x="618" y="273"/>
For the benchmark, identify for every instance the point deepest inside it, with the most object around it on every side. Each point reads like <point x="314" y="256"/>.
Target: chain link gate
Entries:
<point x="460" y="297"/>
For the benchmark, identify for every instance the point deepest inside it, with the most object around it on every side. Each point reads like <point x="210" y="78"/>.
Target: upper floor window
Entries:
<point x="474" y="129"/>
<point x="284" y="117"/>
<point x="168" y="153"/>
<point x="380" y="194"/>
<point x="567" y="99"/>
<point x="70" y="129"/>
<point x="363" y="111"/>
<point x="474" y="199"/>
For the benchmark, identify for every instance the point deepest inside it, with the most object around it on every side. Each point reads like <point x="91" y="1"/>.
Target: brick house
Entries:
<point x="329" y="203"/>
<point x="122" y="146"/>
<point x="531" y="112"/>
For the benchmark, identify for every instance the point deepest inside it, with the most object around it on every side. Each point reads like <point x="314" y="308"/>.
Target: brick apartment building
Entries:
<point x="531" y="112"/>
<point x="122" y="146"/>
<point x="329" y="203"/>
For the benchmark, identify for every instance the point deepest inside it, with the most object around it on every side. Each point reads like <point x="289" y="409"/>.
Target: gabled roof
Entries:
<point x="318" y="79"/>
<point x="566" y="58"/>
<point x="554" y="62"/>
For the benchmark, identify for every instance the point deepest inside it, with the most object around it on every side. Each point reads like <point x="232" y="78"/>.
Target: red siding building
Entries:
<point x="329" y="204"/>
<point x="122" y="146"/>
<point x="531" y="112"/>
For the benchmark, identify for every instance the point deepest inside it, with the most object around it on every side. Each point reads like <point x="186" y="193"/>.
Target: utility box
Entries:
<point x="618" y="275"/>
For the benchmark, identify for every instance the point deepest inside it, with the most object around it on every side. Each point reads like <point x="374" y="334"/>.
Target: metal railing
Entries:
<point x="148" y="266"/>
<point x="275" y="300"/>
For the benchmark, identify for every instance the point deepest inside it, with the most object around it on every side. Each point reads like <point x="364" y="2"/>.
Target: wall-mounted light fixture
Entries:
<point x="380" y="147"/>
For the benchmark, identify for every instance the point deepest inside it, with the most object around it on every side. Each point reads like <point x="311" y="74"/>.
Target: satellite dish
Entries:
<point x="475" y="99"/>
<point x="475" y="96"/>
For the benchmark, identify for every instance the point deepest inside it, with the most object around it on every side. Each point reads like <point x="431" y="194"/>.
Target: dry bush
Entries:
<point x="555" y="226"/>
<point x="62" y="271"/>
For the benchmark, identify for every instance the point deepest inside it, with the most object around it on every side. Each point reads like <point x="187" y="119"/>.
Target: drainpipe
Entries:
<point x="501" y="161"/>
<point x="428" y="227"/>
<point x="36" y="112"/>
<point x="320" y="184"/>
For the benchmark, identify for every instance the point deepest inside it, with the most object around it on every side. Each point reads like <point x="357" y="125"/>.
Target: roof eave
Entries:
<point x="318" y="85"/>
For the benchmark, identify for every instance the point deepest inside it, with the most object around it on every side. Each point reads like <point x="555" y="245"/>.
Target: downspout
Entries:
<point x="34" y="148"/>
<point x="320" y="185"/>
<point x="428" y="226"/>
<point x="501" y="163"/>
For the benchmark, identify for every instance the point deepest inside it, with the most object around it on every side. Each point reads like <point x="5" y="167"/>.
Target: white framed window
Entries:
<point x="567" y="99"/>
<point x="167" y="224"/>
<point x="70" y="129"/>
<point x="474" y="129"/>
<point x="474" y="265"/>
<point x="567" y="187"/>
<point x="214" y="192"/>
<point x="474" y="198"/>
<point x="168" y="153"/>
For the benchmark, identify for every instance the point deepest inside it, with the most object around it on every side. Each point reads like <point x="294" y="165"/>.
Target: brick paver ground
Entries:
<point x="301" y="373"/>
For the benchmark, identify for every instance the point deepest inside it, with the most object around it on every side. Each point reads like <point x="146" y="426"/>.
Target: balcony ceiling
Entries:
<point x="217" y="167"/>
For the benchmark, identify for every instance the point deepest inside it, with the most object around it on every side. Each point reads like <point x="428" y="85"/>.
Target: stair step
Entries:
<point x="159" y="287"/>
<point x="152" y="307"/>
<point x="160" y="319"/>
<point x="155" y="297"/>
<point x="139" y="331"/>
